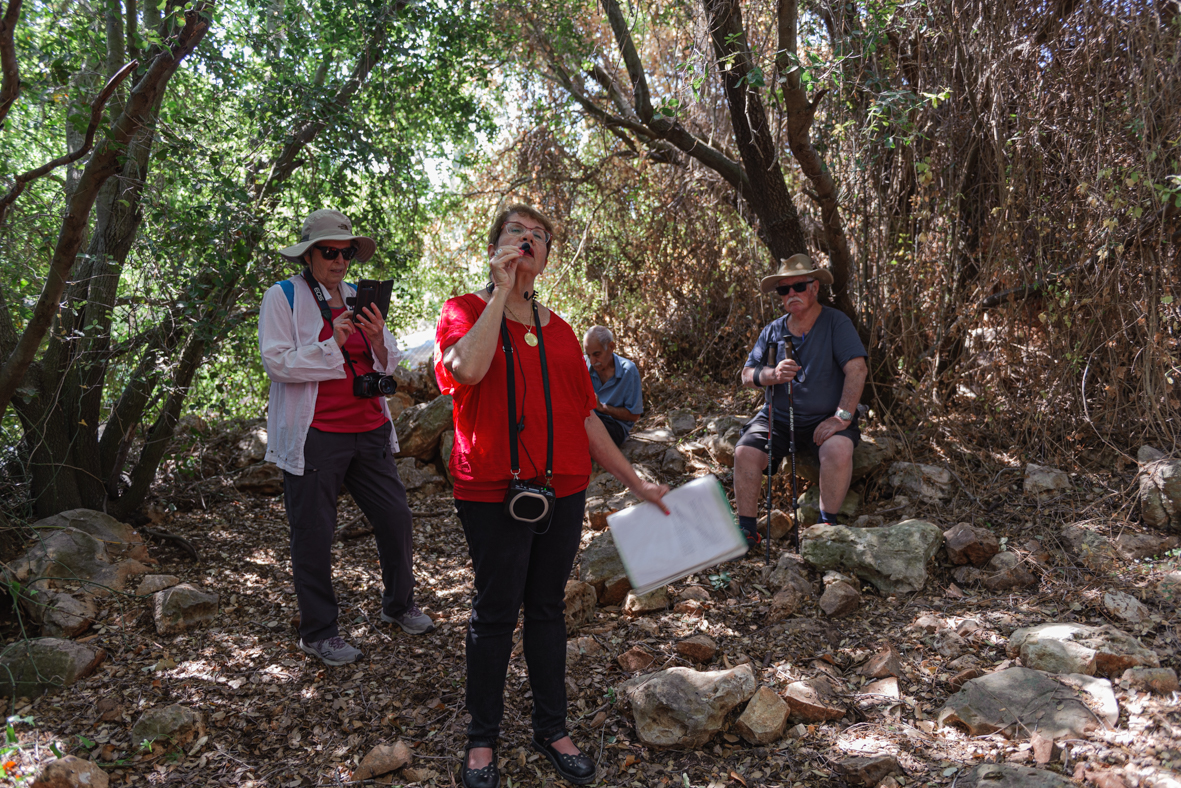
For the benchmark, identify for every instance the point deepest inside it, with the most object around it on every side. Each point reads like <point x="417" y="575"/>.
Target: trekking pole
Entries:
<point x="769" y="396"/>
<point x="791" y="447"/>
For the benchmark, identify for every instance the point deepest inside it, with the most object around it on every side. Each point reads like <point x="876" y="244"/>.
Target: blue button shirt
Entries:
<point x="621" y="391"/>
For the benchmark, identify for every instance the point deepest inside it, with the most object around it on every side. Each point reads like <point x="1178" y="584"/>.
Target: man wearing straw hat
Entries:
<point x="827" y="374"/>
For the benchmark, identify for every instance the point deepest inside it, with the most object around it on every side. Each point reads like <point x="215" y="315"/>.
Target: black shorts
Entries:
<point x="754" y="434"/>
<point x="614" y="428"/>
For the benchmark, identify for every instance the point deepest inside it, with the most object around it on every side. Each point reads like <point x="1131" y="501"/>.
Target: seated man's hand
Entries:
<point x="781" y="373"/>
<point x="827" y="428"/>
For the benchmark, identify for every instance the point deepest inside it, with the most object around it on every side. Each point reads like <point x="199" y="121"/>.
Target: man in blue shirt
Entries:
<point x="616" y="381"/>
<point x="828" y="369"/>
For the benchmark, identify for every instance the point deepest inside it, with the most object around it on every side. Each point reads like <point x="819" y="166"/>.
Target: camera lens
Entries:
<point x="386" y="385"/>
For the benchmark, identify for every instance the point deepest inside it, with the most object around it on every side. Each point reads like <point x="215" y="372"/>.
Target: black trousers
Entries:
<point x="614" y="428"/>
<point x="516" y="567"/>
<point x="362" y="461"/>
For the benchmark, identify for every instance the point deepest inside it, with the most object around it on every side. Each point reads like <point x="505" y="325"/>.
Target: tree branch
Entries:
<point x="10" y="84"/>
<point x="631" y="59"/>
<point x="104" y="163"/>
<point x="800" y="114"/>
<point x="371" y="53"/>
<point x="96" y="115"/>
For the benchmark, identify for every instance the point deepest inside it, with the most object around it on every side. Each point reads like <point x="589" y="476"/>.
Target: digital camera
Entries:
<point x="374" y="384"/>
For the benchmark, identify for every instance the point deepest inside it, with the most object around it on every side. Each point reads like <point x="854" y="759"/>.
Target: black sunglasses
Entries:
<point x="330" y="252"/>
<point x="799" y="287"/>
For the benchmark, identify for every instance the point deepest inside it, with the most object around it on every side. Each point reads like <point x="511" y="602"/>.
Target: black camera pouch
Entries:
<point x="528" y="502"/>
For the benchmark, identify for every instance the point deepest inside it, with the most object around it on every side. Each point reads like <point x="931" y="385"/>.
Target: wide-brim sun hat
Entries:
<point x="796" y="265"/>
<point x="329" y="225"/>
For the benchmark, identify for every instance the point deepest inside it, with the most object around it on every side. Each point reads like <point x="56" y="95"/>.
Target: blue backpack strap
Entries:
<point x="289" y="291"/>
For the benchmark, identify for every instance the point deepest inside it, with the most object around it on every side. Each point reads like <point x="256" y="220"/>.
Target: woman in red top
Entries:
<point x="517" y="563"/>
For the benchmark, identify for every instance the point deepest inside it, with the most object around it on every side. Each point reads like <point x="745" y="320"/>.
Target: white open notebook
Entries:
<point x="699" y="531"/>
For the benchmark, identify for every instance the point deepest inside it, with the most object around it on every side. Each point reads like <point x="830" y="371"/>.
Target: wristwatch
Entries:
<point x="844" y="415"/>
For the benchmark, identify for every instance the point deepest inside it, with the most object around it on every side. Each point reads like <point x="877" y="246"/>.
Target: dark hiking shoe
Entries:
<point x="413" y="621"/>
<point x="578" y="769"/>
<point x="332" y="651"/>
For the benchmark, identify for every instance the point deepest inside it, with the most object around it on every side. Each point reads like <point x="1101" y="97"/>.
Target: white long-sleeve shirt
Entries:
<point x="296" y="360"/>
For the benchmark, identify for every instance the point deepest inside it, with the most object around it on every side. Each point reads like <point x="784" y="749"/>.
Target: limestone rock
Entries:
<point x="1005" y="775"/>
<point x="1162" y="681"/>
<point x="893" y="559"/>
<point x="31" y="667"/>
<point x="813" y="700"/>
<point x="684" y="708"/>
<point x="681" y="421"/>
<point x="183" y="607"/>
<point x="809" y="506"/>
<point x="698" y="648"/>
<point x="266" y="478"/>
<point x="1134" y="547"/>
<point x="420" y="476"/>
<point x="602" y="567"/>
<point x="175" y="725"/>
<point x="1018" y="702"/>
<point x="420" y="427"/>
<point x="599" y="506"/>
<point x="398" y="402"/>
<point x="651" y="602"/>
<point x="791" y="572"/>
<point x="871" y="454"/>
<point x="780" y="524"/>
<point x="252" y="447"/>
<point x="119" y="539"/>
<point x="764" y="718"/>
<point x="868" y="770"/>
<point x="71" y="772"/>
<point x="150" y="584"/>
<point x="577" y="648"/>
<point x="1067" y="647"/>
<point x="695" y="592"/>
<point x="580" y="605"/>
<point x="1126" y="608"/>
<point x="647" y="445"/>
<point x="1160" y="494"/>
<point x="1097" y="693"/>
<point x="1088" y="548"/>
<point x="1006" y="571"/>
<point x="64" y="615"/>
<point x="673" y="461"/>
<point x="928" y="483"/>
<point x="1042" y="481"/>
<point x="839" y="599"/>
<point x="635" y="659"/>
<point x="886" y="662"/>
<point x="967" y="544"/>
<point x="383" y="759"/>
<point x="785" y="603"/>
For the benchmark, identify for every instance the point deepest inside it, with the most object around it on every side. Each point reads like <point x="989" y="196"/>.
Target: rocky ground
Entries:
<point x="905" y="673"/>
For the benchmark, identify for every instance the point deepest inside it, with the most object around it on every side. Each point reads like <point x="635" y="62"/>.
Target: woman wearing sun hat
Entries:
<point x="322" y="435"/>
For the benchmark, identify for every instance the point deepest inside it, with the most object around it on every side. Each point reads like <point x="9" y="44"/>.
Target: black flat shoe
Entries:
<point x="578" y="769"/>
<point x="487" y="777"/>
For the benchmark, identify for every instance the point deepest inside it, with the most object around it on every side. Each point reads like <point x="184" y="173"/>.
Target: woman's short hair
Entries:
<point x="527" y="210"/>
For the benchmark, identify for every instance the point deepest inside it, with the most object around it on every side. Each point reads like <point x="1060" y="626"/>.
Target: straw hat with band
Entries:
<point x="796" y="265"/>
<point x="329" y="225"/>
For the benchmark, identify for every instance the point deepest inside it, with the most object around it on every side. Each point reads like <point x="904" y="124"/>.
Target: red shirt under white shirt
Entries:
<point x="480" y="460"/>
<point x="337" y="410"/>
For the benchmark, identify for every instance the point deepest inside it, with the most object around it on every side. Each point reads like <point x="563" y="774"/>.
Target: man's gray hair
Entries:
<point x="600" y="334"/>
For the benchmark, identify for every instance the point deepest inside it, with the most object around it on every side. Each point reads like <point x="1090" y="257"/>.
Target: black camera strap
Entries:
<point x="513" y="423"/>
<point x="326" y="313"/>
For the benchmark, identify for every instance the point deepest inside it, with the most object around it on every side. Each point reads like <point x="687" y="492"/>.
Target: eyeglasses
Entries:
<point x="798" y="287"/>
<point x="515" y="230"/>
<point x="330" y="252"/>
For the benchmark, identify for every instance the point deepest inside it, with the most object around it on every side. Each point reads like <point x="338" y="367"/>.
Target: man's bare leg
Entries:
<point x="836" y="472"/>
<point x="749" y="464"/>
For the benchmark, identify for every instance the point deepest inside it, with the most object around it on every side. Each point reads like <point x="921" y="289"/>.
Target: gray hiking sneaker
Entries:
<point x="413" y="621"/>
<point x="333" y="651"/>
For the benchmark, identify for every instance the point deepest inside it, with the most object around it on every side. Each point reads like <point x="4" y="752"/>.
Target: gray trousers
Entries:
<point x="362" y="461"/>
